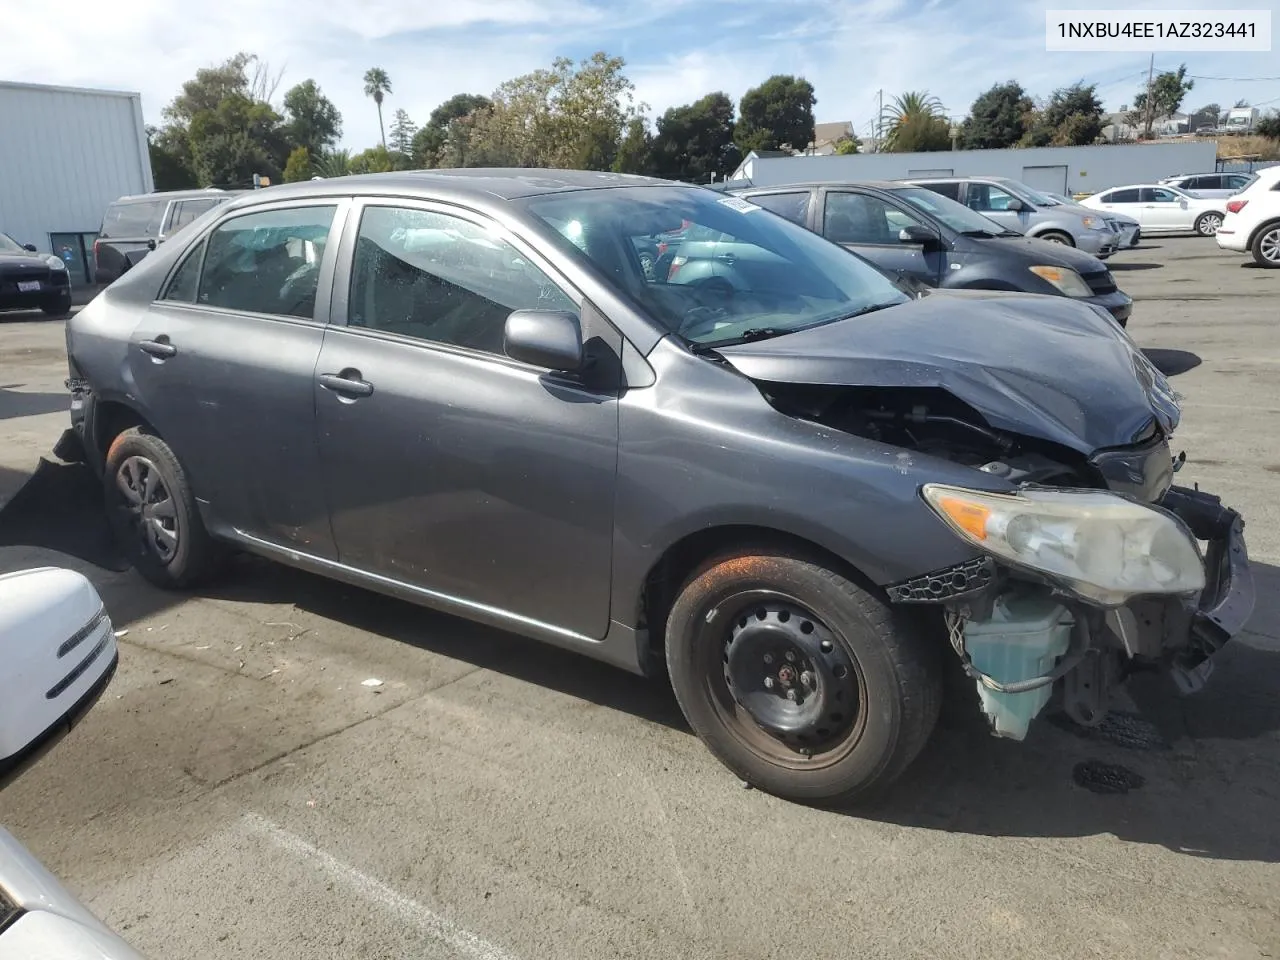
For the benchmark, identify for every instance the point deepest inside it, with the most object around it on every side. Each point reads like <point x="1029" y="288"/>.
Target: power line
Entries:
<point x="1194" y="76"/>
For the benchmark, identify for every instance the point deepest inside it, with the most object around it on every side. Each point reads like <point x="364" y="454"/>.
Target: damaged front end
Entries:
<point x="1080" y="595"/>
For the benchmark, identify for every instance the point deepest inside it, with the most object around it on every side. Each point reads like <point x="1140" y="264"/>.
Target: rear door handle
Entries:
<point x="351" y="386"/>
<point x="160" y="348"/>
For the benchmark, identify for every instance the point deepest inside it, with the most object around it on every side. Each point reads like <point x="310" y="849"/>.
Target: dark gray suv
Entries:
<point x="802" y="498"/>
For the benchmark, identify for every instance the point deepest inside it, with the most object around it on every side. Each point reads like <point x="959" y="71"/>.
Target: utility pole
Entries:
<point x="879" y="117"/>
<point x="1151" y="107"/>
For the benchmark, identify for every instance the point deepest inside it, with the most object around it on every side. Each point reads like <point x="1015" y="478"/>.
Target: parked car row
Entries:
<point x="760" y="465"/>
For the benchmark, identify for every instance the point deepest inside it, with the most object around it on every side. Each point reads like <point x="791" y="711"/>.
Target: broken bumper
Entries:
<point x="1226" y="603"/>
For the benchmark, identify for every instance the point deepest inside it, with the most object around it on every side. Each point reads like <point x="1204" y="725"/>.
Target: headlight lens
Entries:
<point x="55" y="263"/>
<point x="1097" y="545"/>
<point x="1065" y="279"/>
<point x="1095" y="223"/>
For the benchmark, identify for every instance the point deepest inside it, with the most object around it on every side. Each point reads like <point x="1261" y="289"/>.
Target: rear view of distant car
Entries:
<point x="134" y="226"/>
<point x="1252" y="221"/>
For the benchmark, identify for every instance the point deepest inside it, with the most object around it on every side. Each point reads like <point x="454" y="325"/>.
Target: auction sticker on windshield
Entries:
<point x="742" y="206"/>
<point x="1158" y="30"/>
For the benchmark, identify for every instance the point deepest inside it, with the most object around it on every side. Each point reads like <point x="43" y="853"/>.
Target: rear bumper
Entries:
<point x="49" y="295"/>
<point x="1229" y="238"/>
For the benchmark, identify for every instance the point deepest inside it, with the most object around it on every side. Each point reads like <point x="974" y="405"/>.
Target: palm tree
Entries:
<point x="377" y="85"/>
<point x="913" y="121"/>
<point x="332" y="163"/>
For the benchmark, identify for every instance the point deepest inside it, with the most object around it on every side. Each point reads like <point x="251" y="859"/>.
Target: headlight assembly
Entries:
<point x="55" y="263"/>
<point x="1097" y="545"/>
<point x="1065" y="279"/>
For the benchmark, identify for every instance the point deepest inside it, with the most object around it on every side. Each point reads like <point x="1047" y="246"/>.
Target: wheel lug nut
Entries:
<point x="791" y="695"/>
<point x="806" y="678"/>
<point x="768" y="658"/>
<point x="768" y="683"/>
<point x="791" y="657"/>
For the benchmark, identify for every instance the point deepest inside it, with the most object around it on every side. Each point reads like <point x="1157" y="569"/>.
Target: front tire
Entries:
<point x="1207" y="224"/>
<point x="1055" y="236"/>
<point x="153" y="512"/>
<point x="800" y="681"/>
<point x="1266" y="246"/>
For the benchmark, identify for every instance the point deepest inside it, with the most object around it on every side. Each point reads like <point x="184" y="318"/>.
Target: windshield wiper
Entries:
<point x="746" y="336"/>
<point x="980" y="233"/>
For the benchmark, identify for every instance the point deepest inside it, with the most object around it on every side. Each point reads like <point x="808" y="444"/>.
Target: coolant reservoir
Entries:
<point x="1023" y="639"/>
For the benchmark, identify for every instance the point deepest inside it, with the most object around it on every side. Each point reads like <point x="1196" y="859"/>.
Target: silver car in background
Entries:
<point x="1128" y="229"/>
<point x="1210" y="185"/>
<point x="1016" y="206"/>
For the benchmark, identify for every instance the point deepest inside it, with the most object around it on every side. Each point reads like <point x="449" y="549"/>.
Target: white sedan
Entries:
<point x="1161" y="208"/>
<point x="1253" y="220"/>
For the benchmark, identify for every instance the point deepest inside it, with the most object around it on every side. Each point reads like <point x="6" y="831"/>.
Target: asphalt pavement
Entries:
<point x="245" y="788"/>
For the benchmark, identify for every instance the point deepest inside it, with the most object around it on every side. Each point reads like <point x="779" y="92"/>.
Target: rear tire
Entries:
<point x="1266" y="246"/>
<point x="1056" y="236"/>
<point x="771" y="618"/>
<point x="153" y="512"/>
<point x="1207" y="224"/>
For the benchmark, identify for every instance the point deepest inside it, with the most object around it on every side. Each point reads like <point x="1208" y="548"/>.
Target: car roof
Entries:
<point x="783" y="187"/>
<point x="496" y="182"/>
<point x="179" y="195"/>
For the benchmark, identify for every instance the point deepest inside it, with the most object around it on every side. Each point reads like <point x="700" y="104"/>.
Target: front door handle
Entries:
<point x="349" y="385"/>
<point x="160" y="348"/>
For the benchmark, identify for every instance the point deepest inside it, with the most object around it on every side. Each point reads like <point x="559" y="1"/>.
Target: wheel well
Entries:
<point x="682" y="558"/>
<point x="110" y="419"/>
<point x="1274" y="221"/>
<point x="1054" y="232"/>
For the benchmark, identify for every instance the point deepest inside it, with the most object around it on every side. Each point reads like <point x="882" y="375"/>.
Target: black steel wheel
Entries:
<point x="799" y="680"/>
<point x="153" y="511"/>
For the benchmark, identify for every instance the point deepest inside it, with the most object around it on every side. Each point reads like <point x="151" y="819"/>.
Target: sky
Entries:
<point x="676" y="50"/>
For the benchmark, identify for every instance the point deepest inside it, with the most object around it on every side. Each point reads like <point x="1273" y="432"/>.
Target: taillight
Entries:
<point x="676" y="264"/>
<point x="1235" y="206"/>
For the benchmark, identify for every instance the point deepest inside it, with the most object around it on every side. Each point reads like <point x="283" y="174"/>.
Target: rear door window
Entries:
<point x="950" y="189"/>
<point x="136" y="219"/>
<point x="267" y="262"/>
<point x="1121" y="196"/>
<point x="793" y="205"/>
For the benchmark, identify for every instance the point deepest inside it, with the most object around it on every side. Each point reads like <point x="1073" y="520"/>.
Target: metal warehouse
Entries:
<point x="65" y="154"/>
<point x="1056" y="169"/>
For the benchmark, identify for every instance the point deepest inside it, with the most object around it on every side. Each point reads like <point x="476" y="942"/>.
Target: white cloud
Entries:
<point x="677" y="50"/>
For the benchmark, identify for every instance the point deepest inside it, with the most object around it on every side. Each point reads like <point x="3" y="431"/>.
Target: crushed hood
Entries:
<point x="1043" y="367"/>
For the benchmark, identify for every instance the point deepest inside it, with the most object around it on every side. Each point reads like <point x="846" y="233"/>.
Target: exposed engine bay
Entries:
<point x="1024" y="635"/>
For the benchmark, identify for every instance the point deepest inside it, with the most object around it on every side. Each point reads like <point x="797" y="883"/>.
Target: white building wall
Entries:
<point x="65" y="154"/>
<point x="1084" y="169"/>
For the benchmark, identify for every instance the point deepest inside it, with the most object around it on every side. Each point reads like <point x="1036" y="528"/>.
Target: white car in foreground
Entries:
<point x="57" y="655"/>
<point x="1161" y="209"/>
<point x="1252" y="223"/>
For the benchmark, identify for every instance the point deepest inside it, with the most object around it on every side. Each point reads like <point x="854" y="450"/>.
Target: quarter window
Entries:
<point x="794" y="206"/>
<point x="436" y="277"/>
<point x="267" y="262"/>
<point x="859" y="218"/>
<point x="185" y="280"/>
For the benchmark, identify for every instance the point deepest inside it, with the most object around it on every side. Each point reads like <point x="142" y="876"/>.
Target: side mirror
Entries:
<point x="30" y="248"/>
<point x="544" y="338"/>
<point x="58" y="651"/>
<point x="1015" y="205"/>
<point x="918" y="233"/>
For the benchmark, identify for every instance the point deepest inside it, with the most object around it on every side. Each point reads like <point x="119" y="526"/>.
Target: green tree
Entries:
<point x="170" y="159"/>
<point x="915" y="122"/>
<point x="374" y="160"/>
<point x="635" y="151"/>
<point x="695" y="142"/>
<point x="377" y="85"/>
<point x="332" y="163"/>
<point x="312" y="120"/>
<point x="1168" y="90"/>
<point x="1071" y="118"/>
<point x="1269" y="127"/>
<point x="776" y="115"/>
<point x="444" y="138"/>
<point x="298" y="167"/>
<point x="998" y="118"/>
<point x="402" y="132"/>
<point x="848" y="145"/>
<point x="572" y="115"/>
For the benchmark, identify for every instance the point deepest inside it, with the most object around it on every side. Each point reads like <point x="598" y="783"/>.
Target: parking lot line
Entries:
<point x="375" y="891"/>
